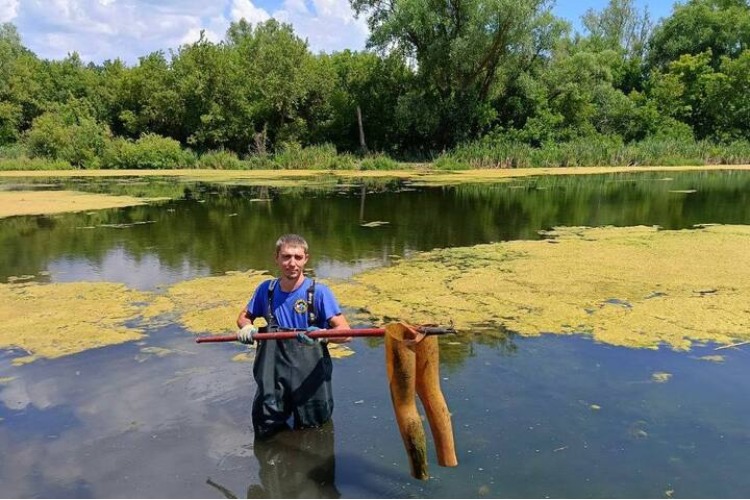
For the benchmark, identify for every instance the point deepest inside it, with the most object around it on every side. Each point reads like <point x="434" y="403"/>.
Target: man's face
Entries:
<point x="291" y="261"/>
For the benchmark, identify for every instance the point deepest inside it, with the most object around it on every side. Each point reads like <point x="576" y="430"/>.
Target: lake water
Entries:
<point x="553" y="416"/>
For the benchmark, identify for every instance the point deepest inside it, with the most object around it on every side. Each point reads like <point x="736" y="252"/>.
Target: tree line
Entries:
<point x="480" y="82"/>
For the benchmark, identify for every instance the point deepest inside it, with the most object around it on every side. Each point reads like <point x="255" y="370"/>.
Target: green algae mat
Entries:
<point x="638" y="287"/>
<point x="634" y="286"/>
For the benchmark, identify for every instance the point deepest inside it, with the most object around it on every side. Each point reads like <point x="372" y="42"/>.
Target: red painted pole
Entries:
<point x="330" y="334"/>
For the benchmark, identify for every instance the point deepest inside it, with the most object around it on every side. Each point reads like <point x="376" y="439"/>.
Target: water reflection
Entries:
<point x="296" y="464"/>
<point x="293" y="464"/>
<point x="144" y="272"/>
<point x="336" y="269"/>
<point x="209" y="228"/>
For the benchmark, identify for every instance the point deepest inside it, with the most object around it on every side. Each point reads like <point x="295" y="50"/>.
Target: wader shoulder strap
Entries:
<point x="270" y="318"/>
<point x="311" y="316"/>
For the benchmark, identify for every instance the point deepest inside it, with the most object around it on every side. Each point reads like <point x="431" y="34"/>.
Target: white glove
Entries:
<point x="246" y="334"/>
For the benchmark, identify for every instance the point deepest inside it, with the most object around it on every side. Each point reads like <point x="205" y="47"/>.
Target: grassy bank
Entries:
<point x="601" y="151"/>
<point x="158" y="153"/>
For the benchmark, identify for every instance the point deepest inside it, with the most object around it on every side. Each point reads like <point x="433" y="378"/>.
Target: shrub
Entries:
<point x="219" y="160"/>
<point x="447" y="162"/>
<point x="64" y="135"/>
<point x="259" y="162"/>
<point x="151" y="151"/>
<point x="734" y="153"/>
<point x="25" y="163"/>
<point x="594" y="150"/>
<point x="13" y="151"/>
<point x="293" y="156"/>
<point x="378" y="162"/>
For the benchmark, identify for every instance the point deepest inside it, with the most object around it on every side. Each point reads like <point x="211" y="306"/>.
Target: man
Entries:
<point x="293" y="376"/>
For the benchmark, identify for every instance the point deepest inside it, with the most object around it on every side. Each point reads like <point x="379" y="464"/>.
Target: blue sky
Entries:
<point x="572" y="10"/>
<point x="107" y="29"/>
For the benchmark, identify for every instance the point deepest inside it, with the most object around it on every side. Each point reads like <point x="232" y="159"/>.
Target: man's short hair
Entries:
<point x="292" y="240"/>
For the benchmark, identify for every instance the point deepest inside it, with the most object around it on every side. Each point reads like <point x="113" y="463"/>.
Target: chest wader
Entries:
<point x="293" y="379"/>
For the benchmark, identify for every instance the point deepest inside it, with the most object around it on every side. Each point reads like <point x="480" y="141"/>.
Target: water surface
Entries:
<point x="549" y="416"/>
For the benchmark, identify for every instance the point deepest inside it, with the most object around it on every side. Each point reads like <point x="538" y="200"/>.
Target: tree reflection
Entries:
<point x="454" y="350"/>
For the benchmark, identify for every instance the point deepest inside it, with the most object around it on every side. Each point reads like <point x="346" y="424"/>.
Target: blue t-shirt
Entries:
<point x="290" y="308"/>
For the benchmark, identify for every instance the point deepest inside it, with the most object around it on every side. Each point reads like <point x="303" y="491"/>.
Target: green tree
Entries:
<point x="728" y="95"/>
<point x="374" y="84"/>
<point x="523" y="93"/>
<point x="209" y="83"/>
<point x="68" y="132"/>
<point x="19" y="85"/>
<point x="113" y="75"/>
<point x="145" y="99"/>
<point x="275" y="65"/>
<point x="67" y="79"/>
<point x="316" y="106"/>
<point x="620" y="27"/>
<point x="718" y="27"/>
<point x="574" y="97"/>
<point x="458" y="49"/>
<point x="681" y="92"/>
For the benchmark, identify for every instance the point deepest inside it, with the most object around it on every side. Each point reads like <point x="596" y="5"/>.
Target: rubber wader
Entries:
<point x="292" y="379"/>
<point x="412" y="363"/>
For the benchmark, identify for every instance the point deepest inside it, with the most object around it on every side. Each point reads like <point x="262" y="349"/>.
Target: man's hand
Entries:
<point x="246" y="333"/>
<point x="303" y="338"/>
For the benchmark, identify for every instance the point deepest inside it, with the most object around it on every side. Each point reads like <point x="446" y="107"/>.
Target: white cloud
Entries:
<point x="41" y="395"/>
<point x="128" y="29"/>
<point x="245" y="9"/>
<point x="295" y="7"/>
<point x="107" y="29"/>
<point x="195" y="34"/>
<point x="329" y="26"/>
<point x="8" y="10"/>
<point x="333" y="8"/>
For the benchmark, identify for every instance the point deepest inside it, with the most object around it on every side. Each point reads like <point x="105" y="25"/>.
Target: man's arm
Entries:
<point x="339" y="322"/>
<point x="244" y="319"/>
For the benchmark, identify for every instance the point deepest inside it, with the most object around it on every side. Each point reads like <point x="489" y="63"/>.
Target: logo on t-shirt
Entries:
<point x="300" y="307"/>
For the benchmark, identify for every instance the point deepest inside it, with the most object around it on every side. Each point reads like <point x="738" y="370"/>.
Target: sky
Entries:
<point x="128" y="29"/>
